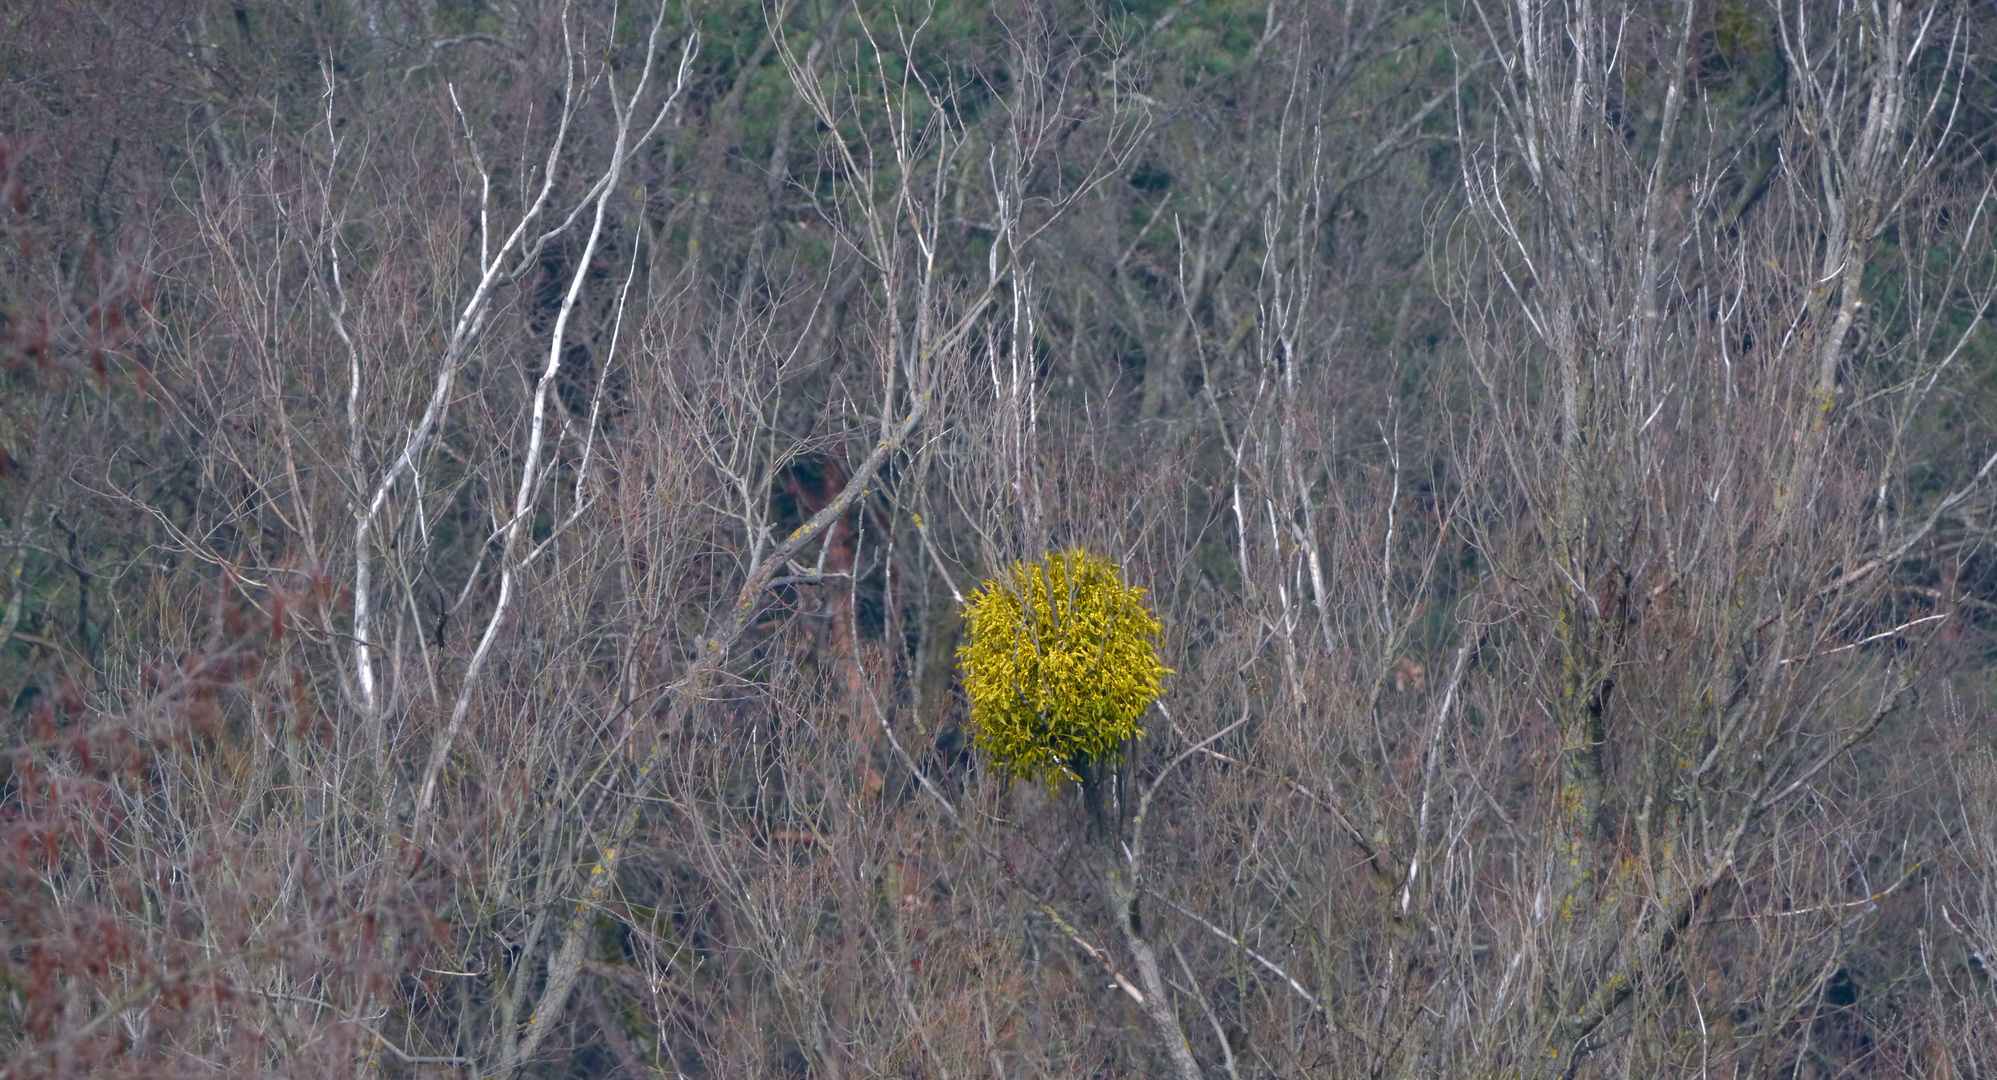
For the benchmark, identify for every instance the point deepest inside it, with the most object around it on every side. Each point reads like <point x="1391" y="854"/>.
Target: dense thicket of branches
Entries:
<point x="487" y="490"/>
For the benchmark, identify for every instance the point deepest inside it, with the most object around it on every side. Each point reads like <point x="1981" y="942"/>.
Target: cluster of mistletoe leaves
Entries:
<point x="1060" y="665"/>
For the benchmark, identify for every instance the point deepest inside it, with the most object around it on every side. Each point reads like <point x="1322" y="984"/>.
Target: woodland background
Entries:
<point x="486" y="488"/>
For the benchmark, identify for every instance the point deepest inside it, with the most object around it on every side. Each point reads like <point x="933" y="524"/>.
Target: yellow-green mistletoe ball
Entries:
<point x="1061" y="663"/>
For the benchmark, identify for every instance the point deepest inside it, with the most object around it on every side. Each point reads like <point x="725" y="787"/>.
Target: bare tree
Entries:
<point x="488" y="495"/>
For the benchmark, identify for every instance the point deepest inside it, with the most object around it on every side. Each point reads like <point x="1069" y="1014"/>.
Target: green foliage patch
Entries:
<point x="1060" y="664"/>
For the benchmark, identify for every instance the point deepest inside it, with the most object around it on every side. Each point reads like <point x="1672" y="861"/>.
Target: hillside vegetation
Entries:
<point x="490" y="492"/>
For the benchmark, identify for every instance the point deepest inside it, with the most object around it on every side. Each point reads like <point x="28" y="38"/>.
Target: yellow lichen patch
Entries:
<point x="1060" y="664"/>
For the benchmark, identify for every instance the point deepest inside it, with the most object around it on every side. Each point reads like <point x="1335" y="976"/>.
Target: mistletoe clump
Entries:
<point x="1061" y="663"/>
